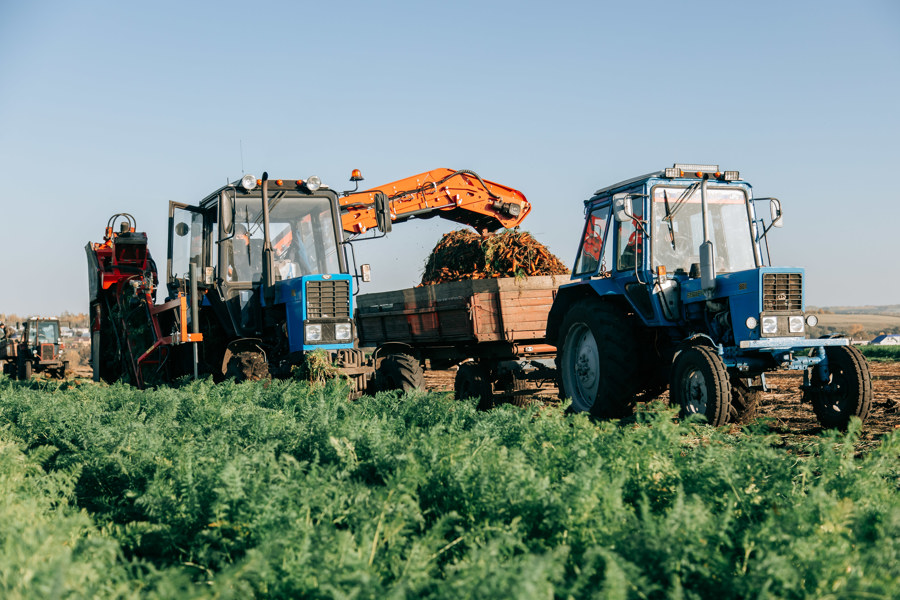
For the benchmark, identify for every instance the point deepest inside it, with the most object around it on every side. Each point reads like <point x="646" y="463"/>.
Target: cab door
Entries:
<point x="189" y="243"/>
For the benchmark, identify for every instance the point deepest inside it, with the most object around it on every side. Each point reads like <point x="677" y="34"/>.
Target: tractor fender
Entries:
<point x="568" y="296"/>
<point x="695" y="339"/>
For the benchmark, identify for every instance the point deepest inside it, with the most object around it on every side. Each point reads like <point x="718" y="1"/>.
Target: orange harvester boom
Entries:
<point x="460" y="196"/>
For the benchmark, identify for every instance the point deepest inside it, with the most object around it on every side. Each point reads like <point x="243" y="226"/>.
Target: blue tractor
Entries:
<point x="673" y="286"/>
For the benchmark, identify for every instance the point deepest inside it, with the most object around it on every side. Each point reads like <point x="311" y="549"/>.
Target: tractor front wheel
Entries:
<point x="847" y="392"/>
<point x="700" y="385"/>
<point x="248" y="365"/>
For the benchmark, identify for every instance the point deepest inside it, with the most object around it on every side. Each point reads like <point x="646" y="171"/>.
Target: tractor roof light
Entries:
<point x="356" y="175"/>
<point x="313" y="183"/>
<point x="248" y="182"/>
<point x="731" y="175"/>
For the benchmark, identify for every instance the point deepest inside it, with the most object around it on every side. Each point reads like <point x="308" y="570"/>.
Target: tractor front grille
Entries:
<point x="47" y="352"/>
<point x="782" y="291"/>
<point x="327" y="298"/>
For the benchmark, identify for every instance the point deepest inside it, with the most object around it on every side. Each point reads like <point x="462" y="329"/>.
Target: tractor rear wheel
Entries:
<point x="597" y="360"/>
<point x="399" y="372"/>
<point x="848" y="391"/>
<point x="473" y="381"/>
<point x="700" y="385"/>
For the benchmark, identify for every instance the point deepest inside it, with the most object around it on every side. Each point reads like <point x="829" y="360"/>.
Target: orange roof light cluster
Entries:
<point x="699" y="171"/>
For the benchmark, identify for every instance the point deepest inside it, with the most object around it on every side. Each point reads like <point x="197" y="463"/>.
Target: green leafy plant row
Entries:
<point x="880" y="353"/>
<point x="285" y="490"/>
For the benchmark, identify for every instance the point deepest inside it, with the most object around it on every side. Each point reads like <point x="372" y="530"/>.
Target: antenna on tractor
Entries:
<point x="241" y="145"/>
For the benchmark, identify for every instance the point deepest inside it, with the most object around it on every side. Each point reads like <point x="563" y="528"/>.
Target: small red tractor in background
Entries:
<point x="38" y="350"/>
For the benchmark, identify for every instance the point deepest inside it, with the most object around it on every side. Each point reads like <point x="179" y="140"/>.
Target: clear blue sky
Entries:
<point x="112" y="107"/>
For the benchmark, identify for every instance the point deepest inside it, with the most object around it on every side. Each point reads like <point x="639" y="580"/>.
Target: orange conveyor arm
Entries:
<point x="460" y="196"/>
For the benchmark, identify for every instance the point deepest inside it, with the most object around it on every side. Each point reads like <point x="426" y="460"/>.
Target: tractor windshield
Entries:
<point x="678" y="228"/>
<point x="44" y="332"/>
<point x="304" y="239"/>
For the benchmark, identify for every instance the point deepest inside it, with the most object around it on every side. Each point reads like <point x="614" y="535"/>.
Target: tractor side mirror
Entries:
<point x="775" y="211"/>
<point x="383" y="212"/>
<point x="226" y="213"/>
<point x="622" y="209"/>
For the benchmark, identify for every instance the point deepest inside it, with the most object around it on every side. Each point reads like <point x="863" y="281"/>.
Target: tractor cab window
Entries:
<point x="43" y="332"/>
<point x="303" y="237"/>
<point x="591" y="255"/>
<point x="678" y="228"/>
<point x="631" y="241"/>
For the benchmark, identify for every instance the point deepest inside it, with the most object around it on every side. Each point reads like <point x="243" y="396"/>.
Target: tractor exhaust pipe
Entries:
<point x="268" y="255"/>
<point x="707" y="251"/>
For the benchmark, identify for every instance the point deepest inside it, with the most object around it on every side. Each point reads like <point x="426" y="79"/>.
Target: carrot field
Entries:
<point x="285" y="490"/>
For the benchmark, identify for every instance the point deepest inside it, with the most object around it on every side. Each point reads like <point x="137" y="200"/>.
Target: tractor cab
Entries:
<point x="272" y="269"/>
<point x="684" y="247"/>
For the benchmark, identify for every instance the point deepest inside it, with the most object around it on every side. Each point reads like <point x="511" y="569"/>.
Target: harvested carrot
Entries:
<point x="463" y="254"/>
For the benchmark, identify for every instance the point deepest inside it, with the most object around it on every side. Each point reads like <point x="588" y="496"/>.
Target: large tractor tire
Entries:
<point x="700" y="385"/>
<point x="597" y="360"/>
<point x="744" y="402"/>
<point x="25" y="369"/>
<point x="848" y="391"/>
<point x="399" y="372"/>
<point x="473" y="381"/>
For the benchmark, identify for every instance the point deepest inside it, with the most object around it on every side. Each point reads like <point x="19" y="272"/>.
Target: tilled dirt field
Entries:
<point x="781" y="407"/>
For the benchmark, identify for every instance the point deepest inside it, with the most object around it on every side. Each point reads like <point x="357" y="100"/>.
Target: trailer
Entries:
<point x="492" y="329"/>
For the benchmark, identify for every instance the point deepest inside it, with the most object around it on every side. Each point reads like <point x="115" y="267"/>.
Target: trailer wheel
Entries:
<point x="848" y="392"/>
<point x="597" y="362"/>
<point x="399" y="372"/>
<point x="700" y="385"/>
<point x="473" y="381"/>
<point x="25" y="369"/>
<point x="744" y="402"/>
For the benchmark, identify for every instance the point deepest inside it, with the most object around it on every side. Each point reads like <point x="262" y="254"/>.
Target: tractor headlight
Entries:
<point x="751" y="323"/>
<point x="342" y="331"/>
<point x="248" y="182"/>
<point x="812" y="320"/>
<point x="795" y="324"/>
<point x="313" y="183"/>
<point x="769" y="325"/>
<point x="314" y="332"/>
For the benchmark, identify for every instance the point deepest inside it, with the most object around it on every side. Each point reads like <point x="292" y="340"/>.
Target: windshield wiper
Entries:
<point x="668" y="220"/>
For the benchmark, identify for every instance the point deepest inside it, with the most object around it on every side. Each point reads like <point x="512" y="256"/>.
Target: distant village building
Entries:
<point x="890" y="339"/>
